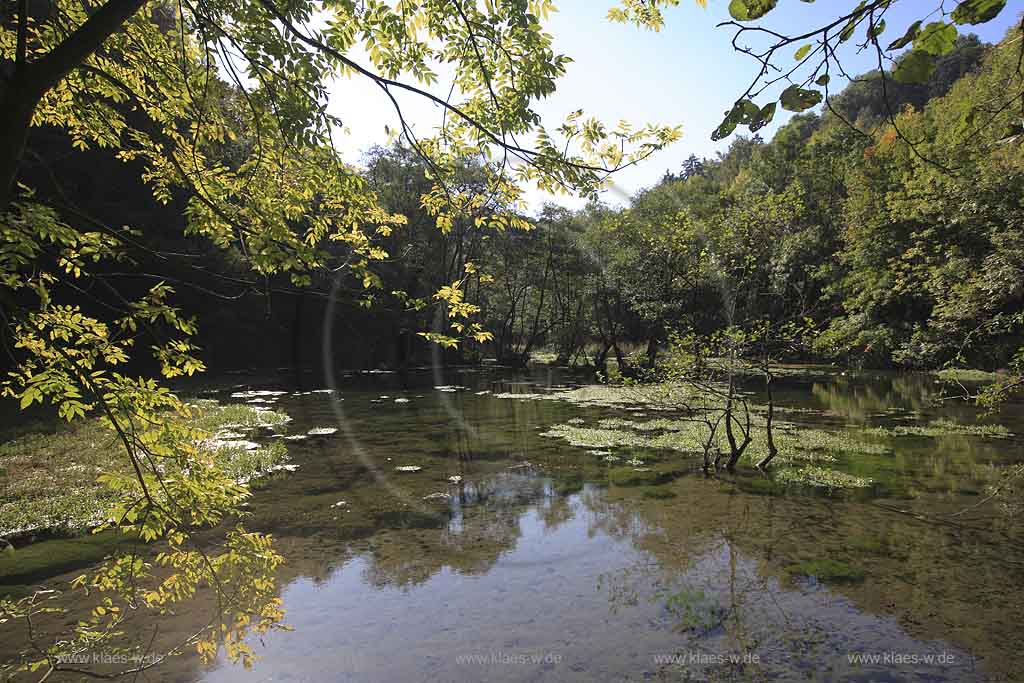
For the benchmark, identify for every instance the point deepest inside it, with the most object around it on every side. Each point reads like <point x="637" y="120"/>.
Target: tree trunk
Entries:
<point x="735" y="449"/>
<point x="17" y="103"/>
<point x="772" y="450"/>
<point x="601" y="359"/>
<point x="652" y="351"/>
<point x="624" y="368"/>
<point x="30" y="80"/>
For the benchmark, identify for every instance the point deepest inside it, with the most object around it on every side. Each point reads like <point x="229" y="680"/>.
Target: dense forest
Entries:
<point x="891" y="254"/>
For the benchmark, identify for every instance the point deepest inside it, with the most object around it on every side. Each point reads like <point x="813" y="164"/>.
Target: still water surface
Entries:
<point x="535" y="568"/>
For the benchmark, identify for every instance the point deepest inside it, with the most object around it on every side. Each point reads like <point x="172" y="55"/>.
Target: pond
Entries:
<point x="443" y="533"/>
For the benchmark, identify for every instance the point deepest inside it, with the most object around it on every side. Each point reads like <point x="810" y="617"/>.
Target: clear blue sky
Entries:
<point x="688" y="74"/>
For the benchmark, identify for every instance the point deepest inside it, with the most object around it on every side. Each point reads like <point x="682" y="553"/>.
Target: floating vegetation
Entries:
<point x="591" y="438"/>
<point x="662" y="396"/>
<point x="820" y="445"/>
<point x="820" y="477"/>
<point x="656" y="425"/>
<point x="944" y="427"/>
<point x="619" y="423"/>
<point x="804" y="453"/>
<point x="257" y="394"/>
<point x="689" y="436"/>
<point x="807" y="447"/>
<point x="757" y="408"/>
<point x="523" y="396"/>
<point x="239" y="444"/>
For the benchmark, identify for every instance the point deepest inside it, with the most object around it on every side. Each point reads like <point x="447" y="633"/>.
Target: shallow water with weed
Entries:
<point x="483" y="526"/>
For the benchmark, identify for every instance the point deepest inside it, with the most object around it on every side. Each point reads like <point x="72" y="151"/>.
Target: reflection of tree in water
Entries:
<point x="714" y="560"/>
<point x="859" y="399"/>
<point x="722" y="607"/>
<point x="485" y="523"/>
<point x="617" y="518"/>
<point x="555" y="510"/>
<point x="727" y="570"/>
<point x="711" y="591"/>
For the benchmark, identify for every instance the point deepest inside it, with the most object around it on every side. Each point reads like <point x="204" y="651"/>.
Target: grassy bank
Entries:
<point x="48" y="474"/>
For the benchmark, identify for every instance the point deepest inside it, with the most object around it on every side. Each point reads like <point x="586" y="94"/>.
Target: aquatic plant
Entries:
<point x="821" y="477"/>
<point x="943" y="427"/>
<point x="795" y="444"/>
<point x="593" y="438"/>
<point x="695" y="609"/>
<point x="687" y="435"/>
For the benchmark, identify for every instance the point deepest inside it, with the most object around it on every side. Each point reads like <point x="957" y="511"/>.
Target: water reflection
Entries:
<point x="528" y="566"/>
<point x="617" y="590"/>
